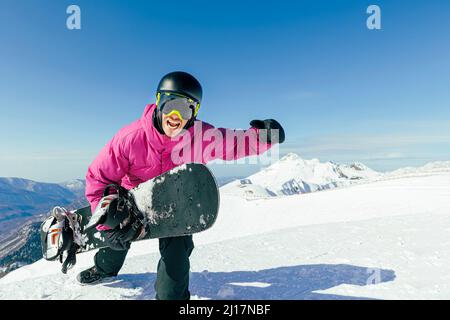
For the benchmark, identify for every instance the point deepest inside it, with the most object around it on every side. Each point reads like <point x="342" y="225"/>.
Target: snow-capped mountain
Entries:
<point x="294" y="175"/>
<point x="429" y="168"/>
<point x="77" y="186"/>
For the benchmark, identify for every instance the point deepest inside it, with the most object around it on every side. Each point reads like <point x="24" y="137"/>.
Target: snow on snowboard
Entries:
<point x="182" y="201"/>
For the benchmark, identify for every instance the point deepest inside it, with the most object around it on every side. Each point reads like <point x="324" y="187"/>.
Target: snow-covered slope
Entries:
<point x="294" y="175"/>
<point x="384" y="239"/>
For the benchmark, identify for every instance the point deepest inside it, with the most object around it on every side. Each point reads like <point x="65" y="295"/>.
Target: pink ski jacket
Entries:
<point x="138" y="152"/>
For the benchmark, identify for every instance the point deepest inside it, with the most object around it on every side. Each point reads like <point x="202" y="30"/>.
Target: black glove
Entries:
<point x="71" y="258"/>
<point x="125" y="227"/>
<point x="120" y="238"/>
<point x="269" y="125"/>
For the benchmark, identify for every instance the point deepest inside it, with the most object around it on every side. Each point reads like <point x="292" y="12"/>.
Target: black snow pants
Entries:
<point x="172" y="279"/>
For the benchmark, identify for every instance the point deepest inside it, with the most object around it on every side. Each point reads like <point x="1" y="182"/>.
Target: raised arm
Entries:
<point x="231" y="144"/>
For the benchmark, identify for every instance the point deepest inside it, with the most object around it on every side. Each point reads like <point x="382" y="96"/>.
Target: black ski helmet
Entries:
<point x="182" y="83"/>
<point x="177" y="82"/>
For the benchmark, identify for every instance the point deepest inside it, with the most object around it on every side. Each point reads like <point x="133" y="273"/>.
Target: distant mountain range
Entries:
<point x="22" y="245"/>
<point x="23" y="205"/>
<point x="25" y="200"/>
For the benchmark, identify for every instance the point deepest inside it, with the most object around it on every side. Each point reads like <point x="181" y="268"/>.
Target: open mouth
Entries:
<point x="173" y="124"/>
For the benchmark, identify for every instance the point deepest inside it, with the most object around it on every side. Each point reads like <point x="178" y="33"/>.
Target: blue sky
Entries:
<point x="342" y="92"/>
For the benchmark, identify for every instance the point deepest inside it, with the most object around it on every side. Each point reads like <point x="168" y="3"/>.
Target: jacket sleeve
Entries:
<point x="231" y="144"/>
<point x="110" y="166"/>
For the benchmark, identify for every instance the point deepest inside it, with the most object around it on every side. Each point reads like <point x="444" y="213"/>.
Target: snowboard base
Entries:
<point x="182" y="201"/>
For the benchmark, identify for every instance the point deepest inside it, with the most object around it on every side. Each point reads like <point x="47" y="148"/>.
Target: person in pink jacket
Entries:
<point x="167" y="135"/>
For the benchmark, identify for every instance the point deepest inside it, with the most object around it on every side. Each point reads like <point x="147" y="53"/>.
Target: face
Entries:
<point x="172" y="125"/>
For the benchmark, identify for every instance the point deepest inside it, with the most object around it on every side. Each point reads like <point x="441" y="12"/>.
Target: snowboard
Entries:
<point x="182" y="201"/>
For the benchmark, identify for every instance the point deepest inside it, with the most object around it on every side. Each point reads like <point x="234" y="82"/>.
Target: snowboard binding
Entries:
<point x="118" y="211"/>
<point x="61" y="237"/>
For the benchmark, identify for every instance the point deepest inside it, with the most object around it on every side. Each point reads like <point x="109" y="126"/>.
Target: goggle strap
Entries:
<point x="197" y="107"/>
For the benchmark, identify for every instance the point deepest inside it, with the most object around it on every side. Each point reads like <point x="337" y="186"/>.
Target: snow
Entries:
<point x="251" y="284"/>
<point x="98" y="236"/>
<point x="143" y="195"/>
<point x="143" y="199"/>
<point x="202" y="220"/>
<point x="75" y="185"/>
<point x="179" y="168"/>
<point x="387" y="238"/>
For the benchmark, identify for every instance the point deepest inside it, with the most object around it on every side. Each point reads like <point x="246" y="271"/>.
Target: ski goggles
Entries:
<point x="172" y="103"/>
